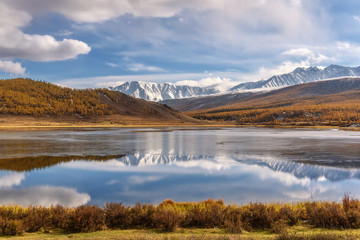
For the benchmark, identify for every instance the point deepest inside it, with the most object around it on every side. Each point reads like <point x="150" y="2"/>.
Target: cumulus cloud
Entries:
<point x="15" y="44"/>
<point x="43" y="196"/>
<point x="12" y="179"/>
<point x="12" y="67"/>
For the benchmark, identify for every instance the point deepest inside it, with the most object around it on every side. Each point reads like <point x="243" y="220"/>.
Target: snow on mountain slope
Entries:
<point x="161" y="91"/>
<point x="298" y="76"/>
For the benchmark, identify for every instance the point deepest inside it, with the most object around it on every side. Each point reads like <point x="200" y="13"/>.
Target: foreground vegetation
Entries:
<point x="282" y="220"/>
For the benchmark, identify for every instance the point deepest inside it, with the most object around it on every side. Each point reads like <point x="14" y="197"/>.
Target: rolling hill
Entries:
<point x="36" y="100"/>
<point x="331" y="102"/>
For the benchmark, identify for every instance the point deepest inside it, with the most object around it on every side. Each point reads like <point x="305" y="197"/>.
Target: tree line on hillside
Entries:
<point x="37" y="98"/>
<point x="305" y="113"/>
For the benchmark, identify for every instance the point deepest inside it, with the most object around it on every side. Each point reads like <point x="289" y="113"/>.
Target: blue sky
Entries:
<point x="97" y="43"/>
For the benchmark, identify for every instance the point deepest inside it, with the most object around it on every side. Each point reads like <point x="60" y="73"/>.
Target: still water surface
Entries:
<point x="238" y="165"/>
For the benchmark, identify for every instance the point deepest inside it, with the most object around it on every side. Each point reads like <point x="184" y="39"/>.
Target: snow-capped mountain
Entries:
<point x="298" y="76"/>
<point x="161" y="91"/>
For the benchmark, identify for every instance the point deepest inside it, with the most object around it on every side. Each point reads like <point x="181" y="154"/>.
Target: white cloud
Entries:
<point x="15" y="44"/>
<point x="138" y="179"/>
<point x="221" y="83"/>
<point x="298" y="52"/>
<point x="356" y="18"/>
<point x="43" y="196"/>
<point x="101" y="10"/>
<point x="13" y="179"/>
<point x="12" y="67"/>
<point x="138" y="67"/>
<point x="284" y="67"/>
<point x="112" y="64"/>
<point x="343" y="45"/>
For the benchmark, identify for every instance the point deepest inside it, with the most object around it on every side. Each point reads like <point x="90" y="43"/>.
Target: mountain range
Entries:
<point x="166" y="91"/>
<point x="161" y="91"/>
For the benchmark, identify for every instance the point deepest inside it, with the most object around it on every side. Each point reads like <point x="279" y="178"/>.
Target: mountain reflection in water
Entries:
<point x="237" y="165"/>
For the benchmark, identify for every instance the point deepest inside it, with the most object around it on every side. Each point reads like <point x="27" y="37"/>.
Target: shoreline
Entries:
<point x="170" y="125"/>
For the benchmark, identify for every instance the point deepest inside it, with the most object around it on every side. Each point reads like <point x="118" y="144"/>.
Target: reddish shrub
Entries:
<point x="326" y="215"/>
<point x="233" y="221"/>
<point x="36" y="218"/>
<point x="195" y="217"/>
<point x="287" y="215"/>
<point x="86" y="219"/>
<point x="142" y="215"/>
<point x="117" y="215"/>
<point x="59" y="216"/>
<point x="167" y="218"/>
<point x="11" y="227"/>
<point x="258" y="216"/>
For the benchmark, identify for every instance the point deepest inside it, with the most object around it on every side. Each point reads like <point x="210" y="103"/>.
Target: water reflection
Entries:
<point x="237" y="165"/>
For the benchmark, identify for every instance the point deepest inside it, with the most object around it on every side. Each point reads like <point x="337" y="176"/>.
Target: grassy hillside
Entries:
<point x="335" y="102"/>
<point x="40" y="100"/>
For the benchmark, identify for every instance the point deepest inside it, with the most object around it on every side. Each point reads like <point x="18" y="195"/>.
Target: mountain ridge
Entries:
<point x="168" y="91"/>
<point x="161" y="91"/>
<point x="300" y="76"/>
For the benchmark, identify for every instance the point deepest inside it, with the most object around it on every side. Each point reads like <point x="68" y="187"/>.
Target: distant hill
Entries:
<point x="299" y="76"/>
<point x="331" y="102"/>
<point x="26" y="97"/>
<point x="161" y="91"/>
<point x="206" y="102"/>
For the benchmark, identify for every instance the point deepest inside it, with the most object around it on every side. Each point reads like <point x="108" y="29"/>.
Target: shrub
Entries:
<point x="233" y="220"/>
<point x="59" y="216"/>
<point x="36" y="218"/>
<point x="258" y="216"/>
<point x="352" y="210"/>
<point x="214" y="213"/>
<point x="167" y="218"/>
<point x="11" y="227"/>
<point x="142" y="215"/>
<point x="195" y="217"/>
<point x="86" y="219"/>
<point x="280" y="226"/>
<point x="117" y="215"/>
<point x="326" y="215"/>
<point x="288" y="215"/>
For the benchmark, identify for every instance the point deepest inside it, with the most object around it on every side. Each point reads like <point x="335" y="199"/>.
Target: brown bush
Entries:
<point x="326" y="215"/>
<point x="36" y="218"/>
<point x="12" y="213"/>
<point x="288" y="215"/>
<point x="195" y="217"/>
<point x="117" y="215"/>
<point x="142" y="215"/>
<point x="352" y="210"/>
<point x="280" y="226"/>
<point x="59" y="216"/>
<point x="11" y="227"/>
<point x="258" y="216"/>
<point x="214" y="213"/>
<point x="233" y="220"/>
<point x="86" y="219"/>
<point x="167" y="218"/>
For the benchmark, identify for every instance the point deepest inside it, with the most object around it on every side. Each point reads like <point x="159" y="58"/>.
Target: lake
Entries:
<point x="92" y="166"/>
